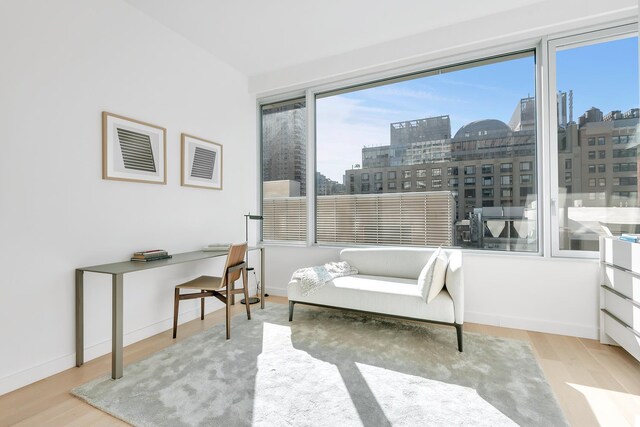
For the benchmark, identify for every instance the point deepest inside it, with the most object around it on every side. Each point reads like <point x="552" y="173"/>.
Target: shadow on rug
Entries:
<point x="330" y="368"/>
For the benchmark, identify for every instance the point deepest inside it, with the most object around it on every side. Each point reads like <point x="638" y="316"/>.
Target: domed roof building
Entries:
<point x="483" y="129"/>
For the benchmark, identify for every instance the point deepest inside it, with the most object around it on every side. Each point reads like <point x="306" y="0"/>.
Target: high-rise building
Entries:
<point x="327" y="187"/>
<point x="412" y="142"/>
<point x="524" y="115"/>
<point x="598" y="167"/>
<point x="593" y="114"/>
<point x="485" y="164"/>
<point x="427" y="129"/>
<point x="565" y="108"/>
<point x="376" y="157"/>
<point x="284" y="136"/>
<point x="420" y="141"/>
<point x="490" y="164"/>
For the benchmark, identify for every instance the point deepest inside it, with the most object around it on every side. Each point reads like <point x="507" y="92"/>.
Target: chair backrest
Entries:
<point x="236" y="256"/>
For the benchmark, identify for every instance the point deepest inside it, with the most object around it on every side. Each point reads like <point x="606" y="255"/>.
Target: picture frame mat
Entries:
<point x="109" y="119"/>
<point x="185" y="161"/>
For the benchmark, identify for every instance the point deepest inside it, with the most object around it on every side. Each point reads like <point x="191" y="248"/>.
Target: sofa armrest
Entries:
<point x="454" y="281"/>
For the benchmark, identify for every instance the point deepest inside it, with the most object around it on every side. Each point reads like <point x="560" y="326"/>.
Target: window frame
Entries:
<point x="529" y="48"/>
<point x="504" y="169"/>
<point x="546" y="164"/>
<point x="289" y="98"/>
<point x="553" y="45"/>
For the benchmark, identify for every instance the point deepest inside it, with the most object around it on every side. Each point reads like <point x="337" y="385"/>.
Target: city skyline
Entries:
<point x="348" y="122"/>
<point x="471" y="133"/>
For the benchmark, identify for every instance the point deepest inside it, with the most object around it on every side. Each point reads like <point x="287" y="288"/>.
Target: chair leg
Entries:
<point x="176" y="305"/>
<point x="202" y="307"/>
<point x="233" y="296"/>
<point x="245" y="283"/>
<point x="291" y="303"/>
<point x="228" y="312"/>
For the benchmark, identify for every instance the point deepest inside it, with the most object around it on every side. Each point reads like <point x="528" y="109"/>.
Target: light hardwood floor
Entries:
<point x="595" y="384"/>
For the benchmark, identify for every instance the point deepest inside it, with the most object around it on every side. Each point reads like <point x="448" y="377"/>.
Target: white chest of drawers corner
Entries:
<point x="620" y="294"/>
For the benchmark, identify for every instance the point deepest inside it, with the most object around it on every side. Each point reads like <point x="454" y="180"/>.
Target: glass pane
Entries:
<point x="475" y="121"/>
<point x="597" y="157"/>
<point x="284" y="171"/>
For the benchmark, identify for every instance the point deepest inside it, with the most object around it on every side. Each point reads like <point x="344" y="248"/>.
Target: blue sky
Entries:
<point x="602" y="75"/>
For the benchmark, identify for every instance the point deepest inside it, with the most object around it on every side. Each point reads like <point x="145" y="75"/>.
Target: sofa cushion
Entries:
<point x="405" y="263"/>
<point x="431" y="279"/>
<point x="378" y="284"/>
<point x="385" y="295"/>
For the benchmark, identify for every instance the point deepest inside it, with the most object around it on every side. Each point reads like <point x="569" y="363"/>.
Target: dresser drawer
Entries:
<point x="623" y="282"/>
<point x="622" y="308"/>
<point x="621" y="253"/>
<point x="622" y="335"/>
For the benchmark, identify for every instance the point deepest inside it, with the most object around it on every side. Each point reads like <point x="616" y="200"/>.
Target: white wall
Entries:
<point x="63" y="63"/>
<point x="517" y="24"/>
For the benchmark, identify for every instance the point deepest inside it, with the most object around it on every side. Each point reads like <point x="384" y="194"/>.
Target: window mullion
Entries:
<point x="311" y="167"/>
<point x="549" y="165"/>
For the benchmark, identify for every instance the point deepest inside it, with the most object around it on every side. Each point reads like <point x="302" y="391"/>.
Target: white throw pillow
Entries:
<point x="431" y="279"/>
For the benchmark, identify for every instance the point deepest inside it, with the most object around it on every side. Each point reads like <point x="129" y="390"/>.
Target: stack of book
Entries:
<point x="152" y="255"/>
<point x="633" y="238"/>
<point x="215" y="247"/>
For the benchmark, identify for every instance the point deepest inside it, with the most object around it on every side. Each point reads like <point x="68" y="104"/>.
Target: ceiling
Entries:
<point x="257" y="36"/>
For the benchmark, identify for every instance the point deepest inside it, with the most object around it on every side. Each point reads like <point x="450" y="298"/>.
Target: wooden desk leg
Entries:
<point x="79" y="317"/>
<point x="117" y="327"/>
<point x="262" y="285"/>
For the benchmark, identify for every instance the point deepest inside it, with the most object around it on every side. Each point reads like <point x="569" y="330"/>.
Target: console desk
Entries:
<point x="117" y="271"/>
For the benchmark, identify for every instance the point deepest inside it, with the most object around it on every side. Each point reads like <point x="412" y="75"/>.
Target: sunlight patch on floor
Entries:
<point x="293" y="388"/>
<point x="394" y="389"/>
<point x="297" y="387"/>
<point x="606" y="406"/>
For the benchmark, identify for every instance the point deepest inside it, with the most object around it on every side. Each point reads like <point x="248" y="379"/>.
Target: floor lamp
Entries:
<point x="247" y="217"/>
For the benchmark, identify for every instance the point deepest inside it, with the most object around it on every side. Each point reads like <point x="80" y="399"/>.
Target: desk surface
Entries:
<point x="132" y="266"/>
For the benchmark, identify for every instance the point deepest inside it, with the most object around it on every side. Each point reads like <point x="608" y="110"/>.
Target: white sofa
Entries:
<point x="387" y="284"/>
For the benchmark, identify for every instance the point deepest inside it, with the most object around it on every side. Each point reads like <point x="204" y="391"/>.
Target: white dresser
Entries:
<point x="620" y="294"/>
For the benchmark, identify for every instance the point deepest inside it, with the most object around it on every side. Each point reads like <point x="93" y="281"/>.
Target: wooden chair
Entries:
<point x="212" y="286"/>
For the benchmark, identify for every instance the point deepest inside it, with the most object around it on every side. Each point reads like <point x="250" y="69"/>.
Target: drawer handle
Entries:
<point x="636" y="333"/>
<point x="617" y="267"/>
<point x="621" y="295"/>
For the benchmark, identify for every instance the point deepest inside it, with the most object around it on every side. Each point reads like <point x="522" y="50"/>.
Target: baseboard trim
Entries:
<point x="28" y="376"/>
<point x="100" y="349"/>
<point x="31" y="375"/>
<point x="36" y="373"/>
<point x="276" y="291"/>
<point x="534" y="325"/>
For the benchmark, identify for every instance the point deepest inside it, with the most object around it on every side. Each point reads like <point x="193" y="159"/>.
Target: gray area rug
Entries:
<point x="330" y="368"/>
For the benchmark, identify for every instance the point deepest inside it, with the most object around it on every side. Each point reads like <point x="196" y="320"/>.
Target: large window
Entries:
<point x="596" y="82"/>
<point x="284" y="171"/>
<point x="451" y="156"/>
<point x="476" y="118"/>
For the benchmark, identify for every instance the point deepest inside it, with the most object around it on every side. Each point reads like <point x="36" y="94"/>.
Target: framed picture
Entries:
<point x="133" y="150"/>
<point x="201" y="163"/>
